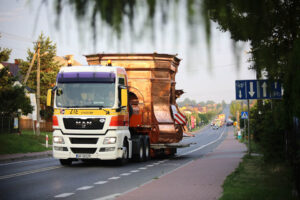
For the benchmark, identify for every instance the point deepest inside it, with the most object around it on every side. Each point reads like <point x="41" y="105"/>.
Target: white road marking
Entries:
<point x="114" y="178"/>
<point x="85" y="188"/>
<point x="203" y="146"/>
<point x="28" y="172"/>
<point x="125" y="174"/>
<point x="143" y="168"/>
<point x="134" y="171"/>
<point x="157" y="163"/>
<point x="100" y="182"/>
<point x="109" y="197"/>
<point x="132" y="189"/>
<point x="150" y="165"/>
<point x="63" y="195"/>
<point x="17" y="162"/>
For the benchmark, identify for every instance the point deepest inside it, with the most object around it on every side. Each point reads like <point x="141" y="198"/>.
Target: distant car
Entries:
<point x="229" y="123"/>
<point x="215" y="127"/>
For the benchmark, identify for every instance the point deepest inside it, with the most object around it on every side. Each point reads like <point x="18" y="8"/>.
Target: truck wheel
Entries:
<point x="139" y="157"/>
<point x="65" y="162"/>
<point x="125" y="155"/>
<point x="146" y="149"/>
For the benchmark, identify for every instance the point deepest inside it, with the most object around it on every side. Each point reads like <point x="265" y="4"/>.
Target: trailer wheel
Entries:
<point x="65" y="162"/>
<point x="146" y="149"/>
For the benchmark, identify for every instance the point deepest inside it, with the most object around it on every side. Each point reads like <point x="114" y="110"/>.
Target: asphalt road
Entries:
<point x="47" y="179"/>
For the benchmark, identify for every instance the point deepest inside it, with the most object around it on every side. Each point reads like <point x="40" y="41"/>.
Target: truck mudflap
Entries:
<point x="171" y="145"/>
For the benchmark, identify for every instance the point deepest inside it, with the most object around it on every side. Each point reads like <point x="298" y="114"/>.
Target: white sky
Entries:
<point x="21" y="23"/>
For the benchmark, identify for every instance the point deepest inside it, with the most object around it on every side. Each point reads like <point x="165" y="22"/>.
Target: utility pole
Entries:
<point x="29" y="69"/>
<point x="38" y="92"/>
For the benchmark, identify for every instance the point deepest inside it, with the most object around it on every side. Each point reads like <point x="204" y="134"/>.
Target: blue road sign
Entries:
<point x="240" y="89"/>
<point x="251" y="89"/>
<point x="244" y="115"/>
<point x="257" y="89"/>
<point x="276" y="91"/>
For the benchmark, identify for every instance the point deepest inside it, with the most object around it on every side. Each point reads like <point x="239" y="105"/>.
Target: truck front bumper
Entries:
<point x="69" y="150"/>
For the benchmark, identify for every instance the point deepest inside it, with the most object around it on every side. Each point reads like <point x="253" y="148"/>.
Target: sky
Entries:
<point x="22" y="21"/>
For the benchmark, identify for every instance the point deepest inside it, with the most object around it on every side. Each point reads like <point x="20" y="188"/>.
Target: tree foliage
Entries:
<point x="49" y="69"/>
<point x="4" y="53"/>
<point x="12" y="95"/>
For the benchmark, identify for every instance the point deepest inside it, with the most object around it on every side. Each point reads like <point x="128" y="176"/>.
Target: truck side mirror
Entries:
<point x="124" y="98"/>
<point x="49" y="96"/>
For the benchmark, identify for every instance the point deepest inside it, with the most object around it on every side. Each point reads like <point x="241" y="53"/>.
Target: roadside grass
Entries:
<point x="257" y="180"/>
<point x="26" y="142"/>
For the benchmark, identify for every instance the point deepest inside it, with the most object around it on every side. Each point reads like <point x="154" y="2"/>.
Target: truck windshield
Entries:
<point x="85" y="95"/>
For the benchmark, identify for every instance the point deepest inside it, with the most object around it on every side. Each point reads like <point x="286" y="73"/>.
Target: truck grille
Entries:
<point x="88" y="124"/>
<point x="84" y="150"/>
<point x="84" y="140"/>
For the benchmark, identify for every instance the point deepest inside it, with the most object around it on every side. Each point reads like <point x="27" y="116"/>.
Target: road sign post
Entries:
<point x="249" y="145"/>
<point x="256" y="89"/>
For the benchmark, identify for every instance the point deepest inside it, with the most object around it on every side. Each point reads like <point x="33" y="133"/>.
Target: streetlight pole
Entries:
<point x="38" y="92"/>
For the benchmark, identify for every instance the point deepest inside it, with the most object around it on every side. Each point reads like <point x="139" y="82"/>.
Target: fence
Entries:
<point x="7" y="124"/>
<point x="26" y="124"/>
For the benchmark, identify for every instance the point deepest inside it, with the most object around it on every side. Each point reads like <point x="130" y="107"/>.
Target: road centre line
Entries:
<point x="125" y="174"/>
<point x="85" y="187"/>
<point x="143" y="168"/>
<point x="134" y="171"/>
<point x="100" y="182"/>
<point x="114" y="178"/>
<point x="29" y="172"/>
<point x="63" y="195"/>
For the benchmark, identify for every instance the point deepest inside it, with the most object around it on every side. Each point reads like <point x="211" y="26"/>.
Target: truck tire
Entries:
<point x="146" y="148"/>
<point x="139" y="154"/>
<point x="65" y="162"/>
<point x="125" y="156"/>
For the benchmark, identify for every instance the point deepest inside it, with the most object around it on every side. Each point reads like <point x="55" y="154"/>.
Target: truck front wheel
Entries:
<point x="125" y="154"/>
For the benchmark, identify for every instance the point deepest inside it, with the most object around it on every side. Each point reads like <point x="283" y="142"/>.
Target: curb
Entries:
<point x="24" y="156"/>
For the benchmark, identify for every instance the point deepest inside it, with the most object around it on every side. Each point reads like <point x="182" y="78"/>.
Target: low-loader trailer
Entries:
<point x="120" y="106"/>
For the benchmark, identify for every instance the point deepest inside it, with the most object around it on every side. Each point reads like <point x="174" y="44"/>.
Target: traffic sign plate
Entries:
<point x="244" y="115"/>
<point x="258" y="89"/>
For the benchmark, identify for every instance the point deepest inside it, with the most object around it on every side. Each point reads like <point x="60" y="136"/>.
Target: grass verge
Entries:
<point x="24" y="143"/>
<point x="255" y="179"/>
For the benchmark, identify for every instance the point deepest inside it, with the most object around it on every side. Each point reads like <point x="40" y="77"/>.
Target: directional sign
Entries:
<point x="240" y="89"/>
<point x="251" y="89"/>
<point x="244" y="115"/>
<point x="258" y="89"/>
<point x="276" y="90"/>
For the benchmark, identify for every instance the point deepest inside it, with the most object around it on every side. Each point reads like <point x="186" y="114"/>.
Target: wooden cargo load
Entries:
<point x="151" y="81"/>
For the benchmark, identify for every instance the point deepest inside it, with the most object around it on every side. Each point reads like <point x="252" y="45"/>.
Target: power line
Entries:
<point x="16" y="37"/>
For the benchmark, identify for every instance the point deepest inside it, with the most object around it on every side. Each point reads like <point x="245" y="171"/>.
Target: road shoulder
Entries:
<point x="200" y="179"/>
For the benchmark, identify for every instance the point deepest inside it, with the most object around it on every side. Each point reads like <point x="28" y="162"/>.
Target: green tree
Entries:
<point x="49" y="69"/>
<point x="4" y="53"/>
<point x="12" y="95"/>
<point x="235" y="107"/>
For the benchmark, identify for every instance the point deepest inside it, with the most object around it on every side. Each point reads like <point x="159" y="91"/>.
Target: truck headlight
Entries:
<point x="109" y="140"/>
<point x="58" y="140"/>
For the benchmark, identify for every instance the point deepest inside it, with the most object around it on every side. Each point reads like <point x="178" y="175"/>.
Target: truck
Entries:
<point x="118" y="107"/>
